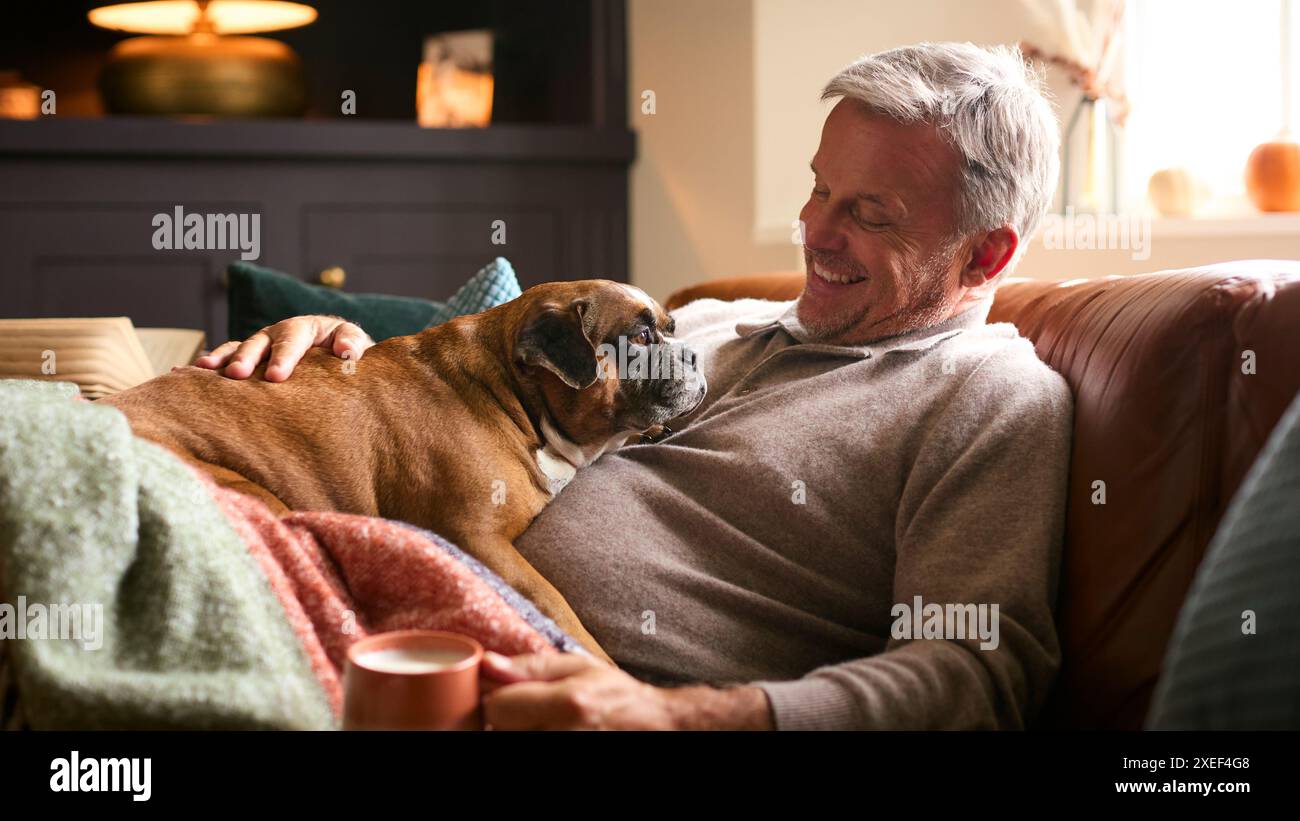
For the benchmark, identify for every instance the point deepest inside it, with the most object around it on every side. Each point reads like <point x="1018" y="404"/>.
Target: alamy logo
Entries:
<point x="179" y="231"/>
<point x="656" y="361"/>
<point x="79" y="622"/>
<point x="1098" y="232"/>
<point x="950" y="621"/>
<point x="77" y="774"/>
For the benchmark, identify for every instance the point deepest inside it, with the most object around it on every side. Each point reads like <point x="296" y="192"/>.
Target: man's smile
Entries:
<point x="832" y="278"/>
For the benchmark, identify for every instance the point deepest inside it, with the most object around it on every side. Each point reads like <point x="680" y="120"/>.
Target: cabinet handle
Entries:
<point x="333" y="277"/>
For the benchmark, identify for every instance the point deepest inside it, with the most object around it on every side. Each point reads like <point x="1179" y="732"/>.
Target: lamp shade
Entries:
<point x="223" y="16"/>
<point x="198" y="60"/>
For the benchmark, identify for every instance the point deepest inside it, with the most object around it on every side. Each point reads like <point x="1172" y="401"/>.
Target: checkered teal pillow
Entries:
<point x="493" y="285"/>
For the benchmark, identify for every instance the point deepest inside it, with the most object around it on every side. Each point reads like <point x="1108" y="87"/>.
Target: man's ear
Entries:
<point x="990" y="256"/>
<point x="554" y="339"/>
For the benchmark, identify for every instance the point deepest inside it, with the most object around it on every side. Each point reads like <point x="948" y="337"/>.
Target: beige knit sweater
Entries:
<point x="783" y="534"/>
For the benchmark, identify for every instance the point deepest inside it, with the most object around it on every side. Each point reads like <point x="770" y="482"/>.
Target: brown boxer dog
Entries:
<point x="467" y="429"/>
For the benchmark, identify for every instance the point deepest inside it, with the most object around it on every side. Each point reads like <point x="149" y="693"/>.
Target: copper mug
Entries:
<point x="413" y="680"/>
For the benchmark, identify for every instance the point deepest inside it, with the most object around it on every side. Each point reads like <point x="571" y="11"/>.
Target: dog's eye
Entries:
<point x="645" y="337"/>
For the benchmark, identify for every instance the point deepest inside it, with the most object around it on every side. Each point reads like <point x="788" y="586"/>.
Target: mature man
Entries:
<point x="867" y="451"/>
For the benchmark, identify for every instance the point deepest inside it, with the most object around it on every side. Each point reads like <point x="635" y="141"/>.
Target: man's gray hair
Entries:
<point x="993" y="108"/>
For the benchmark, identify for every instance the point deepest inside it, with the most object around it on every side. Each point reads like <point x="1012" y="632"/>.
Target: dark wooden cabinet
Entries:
<point x="401" y="209"/>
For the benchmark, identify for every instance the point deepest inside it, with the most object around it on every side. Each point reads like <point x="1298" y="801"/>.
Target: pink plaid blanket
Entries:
<point x="342" y="577"/>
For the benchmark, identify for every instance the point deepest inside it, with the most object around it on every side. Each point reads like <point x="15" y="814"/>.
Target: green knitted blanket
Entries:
<point x="126" y="598"/>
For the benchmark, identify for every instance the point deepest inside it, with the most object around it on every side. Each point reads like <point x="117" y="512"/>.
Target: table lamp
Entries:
<point x="197" y="67"/>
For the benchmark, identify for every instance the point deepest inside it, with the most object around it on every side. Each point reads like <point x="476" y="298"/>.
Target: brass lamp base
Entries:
<point x="204" y="75"/>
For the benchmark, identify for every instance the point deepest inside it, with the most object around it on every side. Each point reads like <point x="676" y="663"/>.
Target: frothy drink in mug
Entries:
<point x="412" y="660"/>
<point x="412" y="680"/>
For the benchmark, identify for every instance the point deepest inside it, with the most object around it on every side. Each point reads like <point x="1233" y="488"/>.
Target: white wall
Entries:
<point x="693" y="183"/>
<point x="723" y="166"/>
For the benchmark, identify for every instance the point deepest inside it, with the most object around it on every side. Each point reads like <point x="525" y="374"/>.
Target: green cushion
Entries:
<point x="259" y="296"/>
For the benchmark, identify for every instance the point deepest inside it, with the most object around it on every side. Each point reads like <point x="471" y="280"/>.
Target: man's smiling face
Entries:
<point x="879" y="228"/>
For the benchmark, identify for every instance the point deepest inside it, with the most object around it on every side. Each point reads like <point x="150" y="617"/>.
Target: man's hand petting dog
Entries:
<point x="288" y="340"/>
<point x="568" y="691"/>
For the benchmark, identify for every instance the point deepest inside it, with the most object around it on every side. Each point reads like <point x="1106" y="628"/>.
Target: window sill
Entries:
<point x="1244" y="225"/>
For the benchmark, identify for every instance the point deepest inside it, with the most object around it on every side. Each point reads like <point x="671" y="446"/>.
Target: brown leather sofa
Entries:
<point x="1178" y="377"/>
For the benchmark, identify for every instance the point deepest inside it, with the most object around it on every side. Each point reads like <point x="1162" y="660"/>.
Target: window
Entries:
<point x="1207" y="80"/>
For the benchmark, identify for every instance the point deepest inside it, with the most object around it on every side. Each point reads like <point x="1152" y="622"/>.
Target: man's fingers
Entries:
<point x="496" y="668"/>
<point x="245" y="359"/>
<point x="350" y="339"/>
<point x="287" y="341"/>
<point x="529" y="705"/>
<point x="487" y="685"/>
<point x="534" y="666"/>
<point x="287" y="349"/>
<point x="217" y="356"/>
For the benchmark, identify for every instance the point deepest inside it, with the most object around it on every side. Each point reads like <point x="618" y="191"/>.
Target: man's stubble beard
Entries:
<point x="927" y="303"/>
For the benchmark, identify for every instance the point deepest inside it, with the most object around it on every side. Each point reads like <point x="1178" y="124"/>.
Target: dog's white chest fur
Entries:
<point x="560" y="458"/>
<point x="556" y="468"/>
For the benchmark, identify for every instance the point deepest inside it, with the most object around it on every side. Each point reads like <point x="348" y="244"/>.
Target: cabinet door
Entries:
<point x="427" y="250"/>
<point x="421" y="229"/>
<point x="83" y="259"/>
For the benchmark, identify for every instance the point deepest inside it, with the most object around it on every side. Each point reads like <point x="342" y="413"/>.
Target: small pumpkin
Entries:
<point x="1273" y="176"/>
<point x="1175" y="192"/>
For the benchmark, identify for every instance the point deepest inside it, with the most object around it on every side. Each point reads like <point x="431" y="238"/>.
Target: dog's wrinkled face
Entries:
<point x="604" y="356"/>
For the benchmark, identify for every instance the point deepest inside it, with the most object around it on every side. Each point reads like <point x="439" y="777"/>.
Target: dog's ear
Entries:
<point x="554" y="339"/>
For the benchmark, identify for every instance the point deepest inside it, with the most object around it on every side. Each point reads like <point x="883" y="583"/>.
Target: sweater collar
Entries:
<point x="917" y="340"/>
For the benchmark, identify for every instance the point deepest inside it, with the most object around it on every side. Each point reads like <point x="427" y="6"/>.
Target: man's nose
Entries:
<point x="821" y="233"/>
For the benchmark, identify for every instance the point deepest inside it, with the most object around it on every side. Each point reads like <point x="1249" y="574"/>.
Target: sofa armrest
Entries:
<point x="779" y="286"/>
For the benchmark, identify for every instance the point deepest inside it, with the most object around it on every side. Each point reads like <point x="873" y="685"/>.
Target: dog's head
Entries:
<point x="604" y="358"/>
